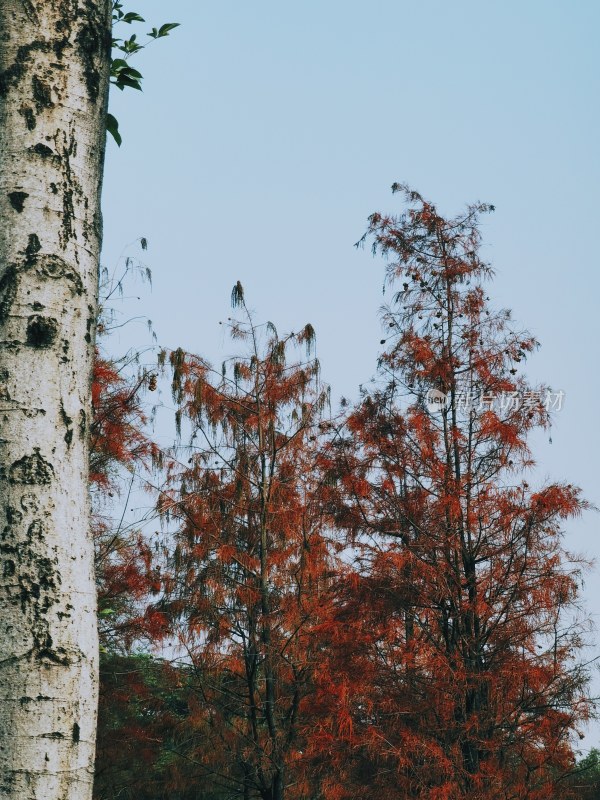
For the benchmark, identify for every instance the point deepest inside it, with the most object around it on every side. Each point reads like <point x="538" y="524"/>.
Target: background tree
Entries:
<point x="140" y="695"/>
<point x="466" y="681"/>
<point x="144" y="705"/>
<point x="121" y="450"/>
<point x="584" y="782"/>
<point x="252" y="562"/>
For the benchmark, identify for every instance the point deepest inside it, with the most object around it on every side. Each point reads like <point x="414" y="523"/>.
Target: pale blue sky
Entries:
<point x="268" y="132"/>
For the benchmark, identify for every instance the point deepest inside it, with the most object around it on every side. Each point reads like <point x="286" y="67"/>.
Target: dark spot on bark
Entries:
<point x="25" y="700"/>
<point x="29" y="591"/>
<point x="47" y="575"/>
<point x="41" y="331"/>
<point x="29" y="117"/>
<point x="13" y="516"/>
<point x="38" y="306"/>
<point x="8" y="289"/>
<point x="42" y="150"/>
<point x="82" y="423"/>
<point x="65" y="417"/>
<point x="18" y="68"/>
<point x="59" y="45"/>
<point x="92" y="40"/>
<point x="7" y="549"/>
<point x="88" y="335"/>
<point x="76" y="732"/>
<point x="42" y="93"/>
<point x="9" y="569"/>
<point x="70" y="187"/>
<point x="58" y="656"/>
<point x="68" y="216"/>
<point x="54" y="188"/>
<point x="4" y="376"/>
<point x="31" y="470"/>
<point x="17" y="200"/>
<point x="35" y="531"/>
<point x="38" y="583"/>
<point x="52" y="266"/>
<point x="33" y="246"/>
<point x="29" y="502"/>
<point x="68" y="423"/>
<point x="53" y="735"/>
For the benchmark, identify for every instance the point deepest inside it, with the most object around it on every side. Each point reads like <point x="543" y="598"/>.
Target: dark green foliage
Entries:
<point x="122" y="74"/>
<point x="585" y="780"/>
<point x="141" y="752"/>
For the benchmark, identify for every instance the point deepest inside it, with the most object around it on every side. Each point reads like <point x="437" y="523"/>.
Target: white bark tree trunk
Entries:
<point x="54" y="65"/>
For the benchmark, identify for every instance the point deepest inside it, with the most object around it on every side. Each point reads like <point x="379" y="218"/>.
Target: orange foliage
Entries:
<point x="450" y="665"/>
<point x="252" y="562"/>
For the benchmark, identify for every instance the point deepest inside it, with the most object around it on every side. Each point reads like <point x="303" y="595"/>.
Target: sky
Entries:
<point x="267" y="132"/>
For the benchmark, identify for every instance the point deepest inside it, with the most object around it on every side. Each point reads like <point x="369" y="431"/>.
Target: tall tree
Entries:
<point x="252" y="557"/>
<point x="54" y="78"/>
<point x="468" y="681"/>
<point x="55" y="67"/>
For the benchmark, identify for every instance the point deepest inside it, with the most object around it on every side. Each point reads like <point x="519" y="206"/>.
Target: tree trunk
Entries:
<point x="54" y="72"/>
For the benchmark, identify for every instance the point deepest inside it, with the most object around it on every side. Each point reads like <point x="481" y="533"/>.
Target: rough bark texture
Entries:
<point x="54" y="62"/>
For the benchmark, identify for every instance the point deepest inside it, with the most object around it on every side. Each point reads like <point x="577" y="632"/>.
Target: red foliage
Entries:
<point x="436" y="655"/>
<point x="450" y="668"/>
<point x="117" y="437"/>
<point x="252" y="562"/>
<point x="120" y="448"/>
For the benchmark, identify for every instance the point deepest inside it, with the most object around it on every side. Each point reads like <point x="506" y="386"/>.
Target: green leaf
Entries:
<point x="118" y="64"/>
<point x="112" y="126"/>
<point x="125" y="80"/>
<point x="168" y="26"/>
<point x="131" y="46"/>
<point x="132" y="73"/>
<point x="125" y="75"/>
<point x="106" y="612"/>
<point x="132" y="17"/>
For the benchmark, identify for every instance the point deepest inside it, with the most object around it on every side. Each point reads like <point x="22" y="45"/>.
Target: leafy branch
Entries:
<point x="122" y="75"/>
